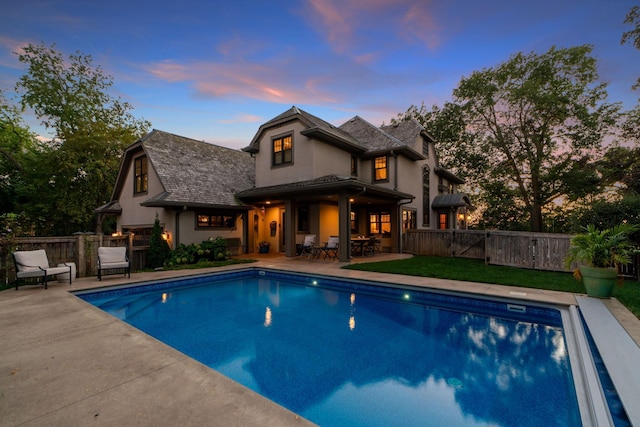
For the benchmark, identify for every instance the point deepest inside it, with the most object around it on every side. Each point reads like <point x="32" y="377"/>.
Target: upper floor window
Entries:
<point x="380" y="169"/>
<point x="141" y="174"/>
<point x="283" y="150"/>
<point x="425" y="147"/>
<point x="354" y="166"/>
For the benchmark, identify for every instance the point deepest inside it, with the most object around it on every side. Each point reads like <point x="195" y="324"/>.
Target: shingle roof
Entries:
<point x="196" y="173"/>
<point x="406" y="130"/>
<point x="376" y="140"/>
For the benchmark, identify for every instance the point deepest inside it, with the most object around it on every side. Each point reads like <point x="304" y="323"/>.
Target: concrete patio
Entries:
<point x="64" y="362"/>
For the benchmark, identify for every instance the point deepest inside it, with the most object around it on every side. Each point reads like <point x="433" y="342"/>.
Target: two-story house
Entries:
<point x="354" y="179"/>
<point x="299" y="175"/>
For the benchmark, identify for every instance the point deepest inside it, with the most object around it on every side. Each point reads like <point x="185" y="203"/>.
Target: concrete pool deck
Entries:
<point x="64" y="362"/>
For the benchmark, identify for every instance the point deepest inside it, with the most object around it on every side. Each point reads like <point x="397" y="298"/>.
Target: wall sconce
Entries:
<point x="263" y="210"/>
<point x="166" y="236"/>
<point x="460" y="217"/>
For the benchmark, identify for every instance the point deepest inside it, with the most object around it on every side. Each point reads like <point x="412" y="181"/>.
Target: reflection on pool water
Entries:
<point x="353" y="353"/>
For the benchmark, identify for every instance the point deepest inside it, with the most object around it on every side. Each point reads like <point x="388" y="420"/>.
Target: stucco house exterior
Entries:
<point x="299" y="175"/>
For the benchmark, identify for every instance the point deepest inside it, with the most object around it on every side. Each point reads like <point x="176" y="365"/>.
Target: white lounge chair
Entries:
<point x="113" y="259"/>
<point x="35" y="264"/>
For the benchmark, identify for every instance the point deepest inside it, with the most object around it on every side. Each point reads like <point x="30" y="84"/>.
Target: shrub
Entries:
<point x="208" y="250"/>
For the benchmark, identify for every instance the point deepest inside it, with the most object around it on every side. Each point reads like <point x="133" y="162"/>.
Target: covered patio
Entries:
<point x="330" y="206"/>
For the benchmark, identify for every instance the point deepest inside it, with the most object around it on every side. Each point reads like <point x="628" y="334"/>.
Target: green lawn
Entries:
<point x="473" y="270"/>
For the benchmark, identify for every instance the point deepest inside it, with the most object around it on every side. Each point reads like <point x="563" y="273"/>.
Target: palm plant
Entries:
<point x="602" y="248"/>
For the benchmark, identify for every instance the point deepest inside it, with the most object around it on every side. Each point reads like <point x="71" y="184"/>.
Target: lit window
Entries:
<point x="380" y="223"/>
<point x="408" y="220"/>
<point x="443" y="221"/>
<point x="380" y="168"/>
<point x="141" y="175"/>
<point x="283" y="150"/>
<point x="216" y="221"/>
<point x="354" y="222"/>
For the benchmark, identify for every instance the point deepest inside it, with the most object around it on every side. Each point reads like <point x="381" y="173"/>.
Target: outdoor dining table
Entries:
<point x="358" y="244"/>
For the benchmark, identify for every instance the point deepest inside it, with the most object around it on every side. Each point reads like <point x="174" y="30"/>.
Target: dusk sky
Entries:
<point x="216" y="70"/>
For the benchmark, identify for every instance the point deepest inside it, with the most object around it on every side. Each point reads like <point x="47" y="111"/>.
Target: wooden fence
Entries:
<point x="81" y="249"/>
<point x="539" y="251"/>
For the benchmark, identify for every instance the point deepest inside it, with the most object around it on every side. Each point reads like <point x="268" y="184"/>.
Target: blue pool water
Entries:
<point x="343" y="353"/>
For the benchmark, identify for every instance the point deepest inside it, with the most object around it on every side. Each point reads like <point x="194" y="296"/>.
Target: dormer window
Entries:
<point x="380" y="169"/>
<point x="283" y="150"/>
<point x="141" y="173"/>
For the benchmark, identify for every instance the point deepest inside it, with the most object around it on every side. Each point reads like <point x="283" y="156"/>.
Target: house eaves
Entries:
<point x="329" y="184"/>
<point x="111" y="208"/>
<point x="448" y="175"/>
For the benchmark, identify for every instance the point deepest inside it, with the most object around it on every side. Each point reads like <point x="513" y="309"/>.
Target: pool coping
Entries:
<point x="64" y="361"/>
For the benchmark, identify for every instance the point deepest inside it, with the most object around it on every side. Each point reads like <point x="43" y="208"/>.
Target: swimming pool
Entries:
<point x="344" y="352"/>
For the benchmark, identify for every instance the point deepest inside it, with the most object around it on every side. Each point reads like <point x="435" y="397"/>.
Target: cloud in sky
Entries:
<point x="203" y="68"/>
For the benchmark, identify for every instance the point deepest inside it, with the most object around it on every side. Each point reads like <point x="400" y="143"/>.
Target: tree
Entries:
<point x="633" y="36"/>
<point x="77" y="169"/>
<point x="17" y="146"/>
<point x="532" y="119"/>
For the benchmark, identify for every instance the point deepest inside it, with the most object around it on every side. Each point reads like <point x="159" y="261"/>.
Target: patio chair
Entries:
<point x="113" y="259"/>
<point x="330" y="249"/>
<point x="377" y="243"/>
<point x="307" y="247"/>
<point x="369" y="247"/>
<point x="35" y="264"/>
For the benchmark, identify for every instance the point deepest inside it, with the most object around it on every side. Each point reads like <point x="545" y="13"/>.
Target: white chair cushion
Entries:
<point x="333" y="242"/>
<point x="31" y="260"/>
<point x="108" y="255"/>
<point x="309" y="240"/>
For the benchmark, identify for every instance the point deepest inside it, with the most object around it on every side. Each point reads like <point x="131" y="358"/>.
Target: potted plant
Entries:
<point x="599" y="253"/>
<point x="263" y="247"/>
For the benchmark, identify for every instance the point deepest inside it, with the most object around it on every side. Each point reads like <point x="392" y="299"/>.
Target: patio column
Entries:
<point x="289" y="228"/>
<point x="344" y="228"/>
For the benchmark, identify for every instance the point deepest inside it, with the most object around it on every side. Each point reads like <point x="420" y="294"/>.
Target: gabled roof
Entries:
<point x="376" y="140"/>
<point x="192" y="173"/>
<point x="316" y="128"/>
<point x="407" y="130"/>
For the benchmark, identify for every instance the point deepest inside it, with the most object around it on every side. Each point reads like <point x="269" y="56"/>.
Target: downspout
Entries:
<point x="400" y="204"/>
